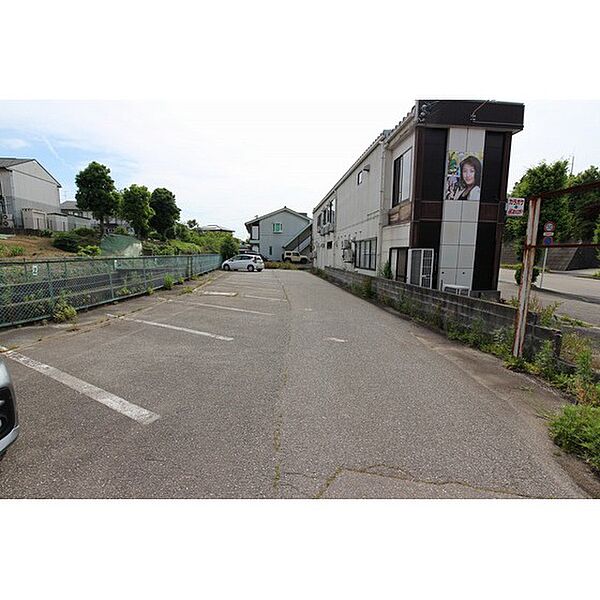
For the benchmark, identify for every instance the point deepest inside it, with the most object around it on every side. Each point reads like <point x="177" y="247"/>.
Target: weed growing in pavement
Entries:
<point x="149" y="290"/>
<point x="63" y="311"/>
<point x="180" y="281"/>
<point x="187" y="290"/>
<point x="168" y="282"/>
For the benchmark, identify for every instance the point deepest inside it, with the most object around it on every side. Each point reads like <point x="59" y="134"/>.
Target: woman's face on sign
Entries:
<point x="468" y="174"/>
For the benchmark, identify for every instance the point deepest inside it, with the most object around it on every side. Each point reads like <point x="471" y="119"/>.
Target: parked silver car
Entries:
<point x="9" y="424"/>
<point x="244" y="262"/>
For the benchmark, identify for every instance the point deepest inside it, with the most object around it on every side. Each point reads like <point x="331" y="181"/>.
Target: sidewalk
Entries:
<point x="579" y="297"/>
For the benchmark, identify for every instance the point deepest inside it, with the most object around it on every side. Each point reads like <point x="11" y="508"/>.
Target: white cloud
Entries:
<point x="13" y="143"/>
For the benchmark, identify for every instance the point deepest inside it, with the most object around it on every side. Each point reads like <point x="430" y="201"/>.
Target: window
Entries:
<point x="277" y="227"/>
<point x="401" y="178"/>
<point x="360" y="177"/>
<point x="255" y="232"/>
<point x="365" y="256"/>
<point x="329" y="245"/>
<point x="270" y="250"/>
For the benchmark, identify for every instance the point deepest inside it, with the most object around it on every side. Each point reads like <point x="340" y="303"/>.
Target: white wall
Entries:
<point x="357" y="215"/>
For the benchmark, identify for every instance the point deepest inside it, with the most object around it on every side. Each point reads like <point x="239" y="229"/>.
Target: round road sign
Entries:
<point x="547" y="241"/>
<point x="549" y="226"/>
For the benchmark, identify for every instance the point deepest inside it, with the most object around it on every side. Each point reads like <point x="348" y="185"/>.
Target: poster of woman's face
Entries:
<point x="463" y="177"/>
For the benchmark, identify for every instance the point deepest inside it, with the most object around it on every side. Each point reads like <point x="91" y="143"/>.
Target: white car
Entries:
<point x="9" y="423"/>
<point x="244" y="262"/>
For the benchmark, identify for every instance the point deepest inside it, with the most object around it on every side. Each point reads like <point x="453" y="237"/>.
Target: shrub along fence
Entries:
<point x="30" y="289"/>
<point x="447" y="311"/>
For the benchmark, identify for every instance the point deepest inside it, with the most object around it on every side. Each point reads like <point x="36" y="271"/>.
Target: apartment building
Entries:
<point x="427" y="196"/>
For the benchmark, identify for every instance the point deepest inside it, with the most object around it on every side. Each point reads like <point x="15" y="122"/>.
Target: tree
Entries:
<point x="136" y="209"/>
<point x="229" y="247"/>
<point x="585" y="206"/>
<point x="597" y="237"/>
<point x="542" y="178"/>
<point x="193" y="224"/>
<point x="166" y="212"/>
<point x="96" y="192"/>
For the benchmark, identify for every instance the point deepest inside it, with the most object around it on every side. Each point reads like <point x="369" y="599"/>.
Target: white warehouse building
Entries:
<point x="427" y="196"/>
<point x="28" y="193"/>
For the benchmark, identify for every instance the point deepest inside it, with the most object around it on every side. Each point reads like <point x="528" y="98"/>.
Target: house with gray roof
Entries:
<point x="270" y="233"/>
<point x="28" y="192"/>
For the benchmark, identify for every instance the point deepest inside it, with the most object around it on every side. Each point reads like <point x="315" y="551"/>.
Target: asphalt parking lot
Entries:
<point x="270" y="385"/>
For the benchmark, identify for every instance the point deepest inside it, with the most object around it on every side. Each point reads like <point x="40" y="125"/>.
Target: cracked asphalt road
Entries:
<point x="318" y="395"/>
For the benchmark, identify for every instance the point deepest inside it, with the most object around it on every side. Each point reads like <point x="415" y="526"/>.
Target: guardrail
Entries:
<point x="29" y="289"/>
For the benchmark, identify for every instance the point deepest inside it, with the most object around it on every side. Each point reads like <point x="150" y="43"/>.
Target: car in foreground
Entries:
<point x="244" y="262"/>
<point x="9" y="424"/>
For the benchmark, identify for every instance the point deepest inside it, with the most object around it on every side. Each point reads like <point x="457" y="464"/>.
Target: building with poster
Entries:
<point x="428" y="196"/>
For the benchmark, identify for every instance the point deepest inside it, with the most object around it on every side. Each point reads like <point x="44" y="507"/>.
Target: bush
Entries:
<point x="120" y="230"/>
<point x="577" y="431"/>
<point x="519" y="272"/>
<point x="168" y="282"/>
<point x="89" y="251"/>
<point x="45" y="233"/>
<point x="67" y="241"/>
<point x="286" y="266"/>
<point x="73" y="241"/>
<point x="63" y="311"/>
<point x="386" y="270"/>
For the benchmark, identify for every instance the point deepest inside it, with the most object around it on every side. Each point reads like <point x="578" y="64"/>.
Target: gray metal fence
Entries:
<point x="29" y="289"/>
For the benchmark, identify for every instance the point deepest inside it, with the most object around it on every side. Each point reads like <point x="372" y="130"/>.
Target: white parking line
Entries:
<point x="265" y="298"/>
<point x="242" y="310"/>
<point x="219" y="293"/>
<point x="333" y="339"/>
<point x="133" y="411"/>
<point x="174" y="327"/>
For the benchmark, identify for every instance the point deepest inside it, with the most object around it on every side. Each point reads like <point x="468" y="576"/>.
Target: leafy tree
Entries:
<point x="542" y="178"/>
<point x="96" y="192"/>
<point x="229" y="247"/>
<point x="193" y="224"/>
<point x="585" y="206"/>
<point x="166" y="212"/>
<point x="597" y="237"/>
<point x="136" y="209"/>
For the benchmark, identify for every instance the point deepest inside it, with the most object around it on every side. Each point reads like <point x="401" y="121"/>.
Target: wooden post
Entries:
<point x="533" y="221"/>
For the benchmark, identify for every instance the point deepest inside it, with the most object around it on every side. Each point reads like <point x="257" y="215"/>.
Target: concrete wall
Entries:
<point x="443" y="308"/>
<point x="271" y="244"/>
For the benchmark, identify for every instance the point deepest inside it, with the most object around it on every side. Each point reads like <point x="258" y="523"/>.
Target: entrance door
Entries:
<point x="398" y="258"/>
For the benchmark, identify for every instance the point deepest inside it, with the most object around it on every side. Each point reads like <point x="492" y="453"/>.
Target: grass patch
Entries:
<point x="577" y="431"/>
<point x="509" y="266"/>
<point x="168" y="282"/>
<point x="187" y="290"/>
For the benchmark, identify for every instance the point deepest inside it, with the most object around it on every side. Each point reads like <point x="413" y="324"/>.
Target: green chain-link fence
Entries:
<point x="29" y="289"/>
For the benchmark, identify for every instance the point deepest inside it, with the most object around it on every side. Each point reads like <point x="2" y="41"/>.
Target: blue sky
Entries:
<point x="227" y="162"/>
